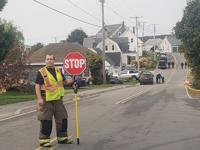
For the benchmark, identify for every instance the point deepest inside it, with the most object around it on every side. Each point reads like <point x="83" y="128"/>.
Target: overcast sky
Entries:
<point x="40" y="24"/>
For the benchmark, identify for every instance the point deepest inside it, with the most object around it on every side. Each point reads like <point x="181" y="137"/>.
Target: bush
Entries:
<point x="196" y="84"/>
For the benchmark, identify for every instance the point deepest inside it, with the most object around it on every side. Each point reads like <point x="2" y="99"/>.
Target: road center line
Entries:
<point x="133" y="96"/>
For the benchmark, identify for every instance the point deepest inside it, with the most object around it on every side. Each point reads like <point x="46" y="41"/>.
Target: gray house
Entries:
<point x="119" y="46"/>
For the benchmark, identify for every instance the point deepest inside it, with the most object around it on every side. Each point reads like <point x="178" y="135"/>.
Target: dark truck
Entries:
<point x="163" y="62"/>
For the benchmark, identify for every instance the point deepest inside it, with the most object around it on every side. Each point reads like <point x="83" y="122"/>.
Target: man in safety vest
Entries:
<point x="50" y="91"/>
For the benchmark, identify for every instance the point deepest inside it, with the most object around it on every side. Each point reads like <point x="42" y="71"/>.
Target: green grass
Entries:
<point x="14" y="97"/>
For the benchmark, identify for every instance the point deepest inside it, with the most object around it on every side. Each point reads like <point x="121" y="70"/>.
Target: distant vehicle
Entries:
<point x="115" y="81"/>
<point x="162" y="65"/>
<point x="146" y="77"/>
<point x="128" y="74"/>
<point x="163" y="58"/>
<point x="163" y="62"/>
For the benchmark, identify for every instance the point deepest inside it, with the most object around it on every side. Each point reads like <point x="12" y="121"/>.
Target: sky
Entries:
<point x="40" y="24"/>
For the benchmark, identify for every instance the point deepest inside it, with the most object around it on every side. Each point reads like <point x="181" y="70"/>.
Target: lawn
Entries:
<point x="14" y="97"/>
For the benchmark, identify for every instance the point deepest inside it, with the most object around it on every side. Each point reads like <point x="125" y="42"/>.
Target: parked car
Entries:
<point x="115" y="80"/>
<point x="128" y="74"/>
<point x="80" y="81"/>
<point x="146" y="77"/>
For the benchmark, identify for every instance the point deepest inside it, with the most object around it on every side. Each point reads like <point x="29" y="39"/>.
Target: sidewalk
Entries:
<point x="30" y="106"/>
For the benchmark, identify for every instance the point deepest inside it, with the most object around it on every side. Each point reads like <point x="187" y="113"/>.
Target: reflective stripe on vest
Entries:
<point x="54" y="89"/>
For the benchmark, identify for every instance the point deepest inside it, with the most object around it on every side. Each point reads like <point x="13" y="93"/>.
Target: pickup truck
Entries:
<point x="128" y="74"/>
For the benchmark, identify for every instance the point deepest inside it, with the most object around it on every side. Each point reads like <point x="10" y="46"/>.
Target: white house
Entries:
<point x="170" y="44"/>
<point x="133" y="41"/>
<point x="149" y="44"/>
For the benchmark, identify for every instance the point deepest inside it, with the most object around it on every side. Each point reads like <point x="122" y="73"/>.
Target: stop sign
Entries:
<point x="74" y="63"/>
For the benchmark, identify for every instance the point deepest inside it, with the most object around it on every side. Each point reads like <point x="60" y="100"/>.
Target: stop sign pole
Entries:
<point x="74" y="64"/>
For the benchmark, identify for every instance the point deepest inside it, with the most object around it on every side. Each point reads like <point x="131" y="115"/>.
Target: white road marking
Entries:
<point x="19" y="115"/>
<point x="133" y="96"/>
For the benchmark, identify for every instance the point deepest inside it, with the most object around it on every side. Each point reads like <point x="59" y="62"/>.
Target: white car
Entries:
<point x="128" y="74"/>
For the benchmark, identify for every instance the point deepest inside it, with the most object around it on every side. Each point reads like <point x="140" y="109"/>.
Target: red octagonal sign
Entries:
<point x="74" y="63"/>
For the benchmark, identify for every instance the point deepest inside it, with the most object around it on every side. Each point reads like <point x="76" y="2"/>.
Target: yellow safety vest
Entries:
<point x="54" y="89"/>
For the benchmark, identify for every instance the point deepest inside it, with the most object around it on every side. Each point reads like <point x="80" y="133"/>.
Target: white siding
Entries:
<point x="166" y="46"/>
<point x="133" y="41"/>
<point x="109" y="44"/>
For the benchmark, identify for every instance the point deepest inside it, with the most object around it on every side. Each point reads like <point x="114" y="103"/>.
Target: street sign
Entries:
<point x="74" y="63"/>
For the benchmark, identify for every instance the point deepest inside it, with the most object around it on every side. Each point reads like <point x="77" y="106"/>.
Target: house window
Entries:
<point x="113" y="48"/>
<point x="106" y="48"/>
<point x="132" y="40"/>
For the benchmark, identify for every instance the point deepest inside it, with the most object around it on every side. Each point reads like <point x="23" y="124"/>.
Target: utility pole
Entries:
<point x="136" y="26"/>
<point x="143" y="29"/>
<point x="103" y="42"/>
<point x="143" y="34"/>
<point x="154" y="40"/>
<point x="55" y="40"/>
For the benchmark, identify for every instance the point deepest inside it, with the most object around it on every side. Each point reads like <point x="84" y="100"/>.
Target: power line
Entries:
<point x="82" y="10"/>
<point x="116" y="13"/>
<point x="66" y="14"/>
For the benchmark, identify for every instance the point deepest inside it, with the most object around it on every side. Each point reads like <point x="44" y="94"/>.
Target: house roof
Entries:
<point x="121" y="41"/>
<point x="174" y="41"/>
<point x="98" y="50"/>
<point x="158" y="41"/>
<point x="59" y="50"/>
<point x="110" y="29"/>
<point x="146" y="38"/>
<point x="113" y="58"/>
<point x="91" y="42"/>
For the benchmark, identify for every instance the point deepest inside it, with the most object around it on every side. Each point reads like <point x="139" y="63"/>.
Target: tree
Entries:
<point x="9" y="37"/>
<point x="77" y="36"/>
<point x="188" y="30"/>
<point x="2" y="4"/>
<point x="94" y="63"/>
<point x="13" y="72"/>
<point x="36" y="47"/>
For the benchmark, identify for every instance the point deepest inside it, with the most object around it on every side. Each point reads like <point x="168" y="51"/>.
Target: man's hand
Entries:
<point x="40" y="102"/>
<point x="70" y="81"/>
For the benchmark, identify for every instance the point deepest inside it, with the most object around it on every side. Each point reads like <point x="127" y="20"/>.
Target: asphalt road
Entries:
<point x="147" y="117"/>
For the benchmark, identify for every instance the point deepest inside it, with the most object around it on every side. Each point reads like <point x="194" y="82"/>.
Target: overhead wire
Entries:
<point x="83" y="10"/>
<point x="116" y="13"/>
<point x="67" y="14"/>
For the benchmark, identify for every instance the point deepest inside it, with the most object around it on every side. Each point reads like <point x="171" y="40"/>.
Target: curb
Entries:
<point x="196" y="94"/>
